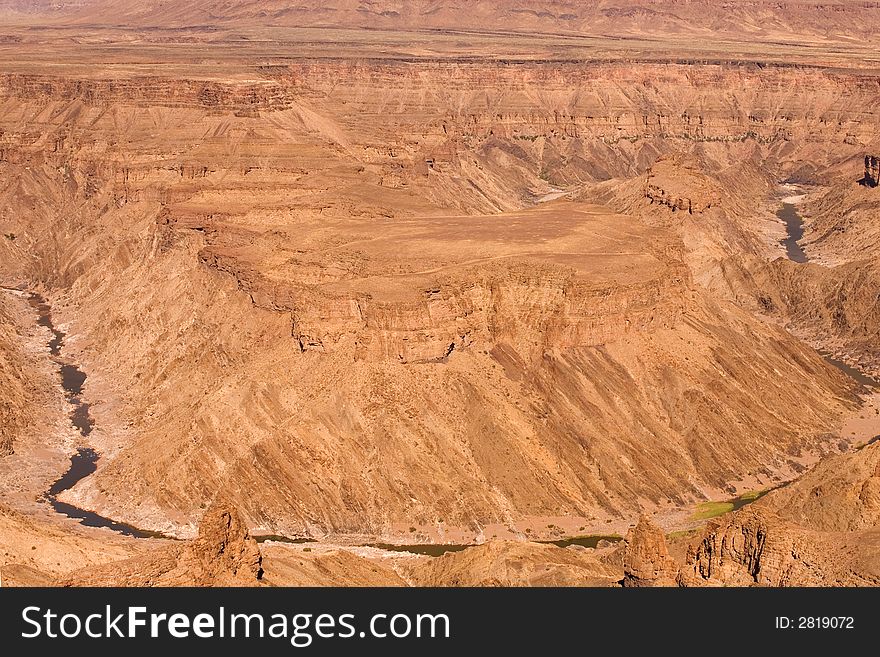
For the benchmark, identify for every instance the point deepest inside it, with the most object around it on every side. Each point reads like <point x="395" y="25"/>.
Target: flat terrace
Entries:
<point x="396" y="259"/>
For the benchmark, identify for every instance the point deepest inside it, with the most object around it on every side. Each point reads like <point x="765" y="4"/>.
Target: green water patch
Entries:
<point x="708" y="510"/>
<point x="682" y="533"/>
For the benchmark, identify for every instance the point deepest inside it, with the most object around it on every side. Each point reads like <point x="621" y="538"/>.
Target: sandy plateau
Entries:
<point x="367" y="293"/>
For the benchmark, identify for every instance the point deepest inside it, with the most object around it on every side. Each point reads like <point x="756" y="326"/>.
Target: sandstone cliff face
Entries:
<point x="646" y="560"/>
<point x="752" y="547"/>
<point x="224" y="553"/>
<point x="681" y="186"/>
<point x="18" y="384"/>
<point x="586" y="125"/>
<point x="241" y="99"/>
<point x="546" y="305"/>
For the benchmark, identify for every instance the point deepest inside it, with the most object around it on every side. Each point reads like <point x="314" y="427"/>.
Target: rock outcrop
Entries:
<point x="646" y="560"/>
<point x="872" y="171"/>
<point x="224" y="554"/>
<point x="241" y="99"/>
<point x="680" y="185"/>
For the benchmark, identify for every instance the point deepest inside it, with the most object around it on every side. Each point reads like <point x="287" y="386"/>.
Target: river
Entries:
<point x="794" y="228"/>
<point x="85" y="461"/>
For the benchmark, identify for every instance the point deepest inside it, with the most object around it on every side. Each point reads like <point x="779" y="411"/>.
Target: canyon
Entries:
<point x="435" y="284"/>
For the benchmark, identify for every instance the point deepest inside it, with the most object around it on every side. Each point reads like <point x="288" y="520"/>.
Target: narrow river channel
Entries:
<point x="794" y="228"/>
<point x="85" y="461"/>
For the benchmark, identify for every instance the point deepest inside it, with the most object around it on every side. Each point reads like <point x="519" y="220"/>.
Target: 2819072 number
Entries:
<point x="825" y="622"/>
<point x="815" y="623"/>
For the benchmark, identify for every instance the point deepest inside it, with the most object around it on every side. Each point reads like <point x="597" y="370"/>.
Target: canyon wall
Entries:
<point x="285" y="302"/>
<point x="18" y="382"/>
<point x="587" y="123"/>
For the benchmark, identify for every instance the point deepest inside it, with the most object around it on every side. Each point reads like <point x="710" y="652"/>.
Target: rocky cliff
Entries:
<point x="646" y="560"/>
<point x="246" y="98"/>
<point x="681" y="186"/>
<point x="757" y="547"/>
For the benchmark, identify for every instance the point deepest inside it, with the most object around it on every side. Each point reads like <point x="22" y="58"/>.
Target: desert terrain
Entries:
<point x="431" y="294"/>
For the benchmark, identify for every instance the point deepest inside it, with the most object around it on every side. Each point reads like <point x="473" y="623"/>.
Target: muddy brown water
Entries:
<point x="591" y="541"/>
<point x="278" y="538"/>
<point x="428" y="549"/>
<point x="85" y="461"/>
<point x="852" y="372"/>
